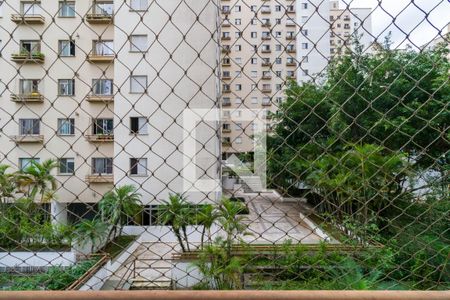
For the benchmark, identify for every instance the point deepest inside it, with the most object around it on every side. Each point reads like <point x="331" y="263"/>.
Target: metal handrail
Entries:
<point x="227" y="295"/>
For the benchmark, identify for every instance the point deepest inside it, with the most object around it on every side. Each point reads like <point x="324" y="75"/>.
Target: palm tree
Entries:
<point x="208" y="215"/>
<point x="91" y="231"/>
<point x="231" y="221"/>
<point x="7" y="186"/>
<point x="176" y="213"/>
<point x="117" y="205"/>
<point x="37" y="179"/>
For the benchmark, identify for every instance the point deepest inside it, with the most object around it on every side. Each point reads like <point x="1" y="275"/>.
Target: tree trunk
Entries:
<point x="203" y="237"/>
<point x="186" y="237"/>
<point x="180" y="240"/>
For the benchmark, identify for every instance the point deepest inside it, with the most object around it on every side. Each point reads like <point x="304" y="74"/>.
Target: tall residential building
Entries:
<point x="347" y="24"/>
<point x="101" y="87"/>
<point x="264" y="43"/>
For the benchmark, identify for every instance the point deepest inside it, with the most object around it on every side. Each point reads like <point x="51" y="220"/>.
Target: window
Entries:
<point x="237" y="8"/>
<point x="67" y="9"/>
<point x="28" y="86"/>
<point x="304" y="5"/>
<point x="29" y="126"/>
<point x="139" y="5"/>
<point x="138" y="166"/>
<point x="103" y="48"/>
<point x="66" y="166"/>
<point x="237" y="48"/>
<point x="103" y="127"/>
<point x="66" y="126"/>
<point x="305" y="46"/>
<point x="238" y="87"/>
<point x="66" y="87"/>
<point x="31" y="8"/>
<point x="138" y="125"/>
<point x="278" y="60"/>
<point x="26" y="162"/>
<point x="30" y="46"/>
<point x="254" y="60"/>
<point x="254" y="74"/>
<point x="238" y="126"/>
<point x="305" y="59"/>
<point x="253" y="35"/>
<point x="278" y="47"/>
<point x="102" y="87"/>
<point x="254" y="100"/>
<point x="138" y="84"/>
<point x="66" y="48"/>
<point x="103" y="8"/>
<point x="304" y="19"/>
<point x="238" y="140"/>
<point x="102" y="165"/>
<point x="237" y="22"/>
<point x="138" y="43"/>
<point x="238" y="74"/>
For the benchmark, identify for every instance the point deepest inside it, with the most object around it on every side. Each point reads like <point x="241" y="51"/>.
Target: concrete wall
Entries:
<point x="36" y="259"/>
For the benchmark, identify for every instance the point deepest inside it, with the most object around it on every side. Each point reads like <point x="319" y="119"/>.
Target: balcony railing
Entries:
<point x="27" y="19"/>
<point x="99" y="58"/>
<point x="26" y="57"/>
<point x="28" y="138"/>
<point x="99" y="18"/>
<point x="100" y="98"/>
<point x="100" y="138"/>
<point x="100" y="178"/>
<point x="33" y="97"/>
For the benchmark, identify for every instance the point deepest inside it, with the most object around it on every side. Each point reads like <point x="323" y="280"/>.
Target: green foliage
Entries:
<point x="55" y="278"/>
<point x="93" y="231"/>
<point x="25" y="225"/>
<point x="117" y="206"/>
<point x="221" y="270"/>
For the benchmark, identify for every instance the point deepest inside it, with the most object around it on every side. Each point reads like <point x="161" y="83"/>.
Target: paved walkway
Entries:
<point x="272" y="221"/>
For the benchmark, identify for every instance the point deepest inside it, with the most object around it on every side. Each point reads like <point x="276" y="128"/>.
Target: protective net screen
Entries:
<point x="224" y="144"/>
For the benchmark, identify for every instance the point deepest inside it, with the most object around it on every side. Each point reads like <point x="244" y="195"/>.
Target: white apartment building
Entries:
<point x="348" y="23"/>
<point x="101" y="88"/>
<point x="264" y="43"/>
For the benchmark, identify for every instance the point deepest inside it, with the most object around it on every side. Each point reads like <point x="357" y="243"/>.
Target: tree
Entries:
<point x="117" y="205"/>
<point x="207" y="217"/>
<point x="36" y="179"/>
<point x="93" y="231"/>
<point x="231" y="222"/>
<point x="7" y="186"/>
<point x="177" y="214"/>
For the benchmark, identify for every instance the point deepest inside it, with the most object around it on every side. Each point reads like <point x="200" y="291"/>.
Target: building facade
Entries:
<point x="267" y="43"/>
<point x="100" y="86"/>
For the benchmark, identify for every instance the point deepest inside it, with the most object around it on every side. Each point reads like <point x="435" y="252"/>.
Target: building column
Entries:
<point x="59" y="213"/>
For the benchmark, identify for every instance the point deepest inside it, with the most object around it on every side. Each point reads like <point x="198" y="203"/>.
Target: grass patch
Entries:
<point x="116" y="246"/>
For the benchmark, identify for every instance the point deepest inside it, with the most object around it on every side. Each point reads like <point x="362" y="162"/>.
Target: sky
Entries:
<point x="410" y="18"/>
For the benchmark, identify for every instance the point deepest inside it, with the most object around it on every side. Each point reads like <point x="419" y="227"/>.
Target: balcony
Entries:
<point x="28" y="139"/>
<point x="28" y="19"/>
<point x="226" y="23"/>
<point x="226" y="38"/>
<point x="290" y="37"/>
<point x="99" y="18"/>
<point x="226" y="64"/>
<point x="100" y="98"/>
<point x="266" y="38"/>
<point x="265" y="10"/>
<point x="266" y="50"/>
<point x="266" y="64"/>
<point x="266" y="103"/>
<point x="225" y="11"/>
<point x="95" y="58"/>
<point x="100" y="178"/>
<point x="226" y="143"/>
<point x="291" y="50"/>
<point x="29" y="98"/>
<point x="226" y="130"/>
<point x="226" y="77"/>
<point x="267" y="76"/>
<point x="291" y="63"/>
<point x="266" y="24"/>
<point x="100" y="138"/>
<point x="290" y="10"/>
<point x="266" y="90"/>
<point x="226" y="50"/>
<point x="226" y="103"/>
<point x="24" y="57"/>
<point x="226" y="91"/>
